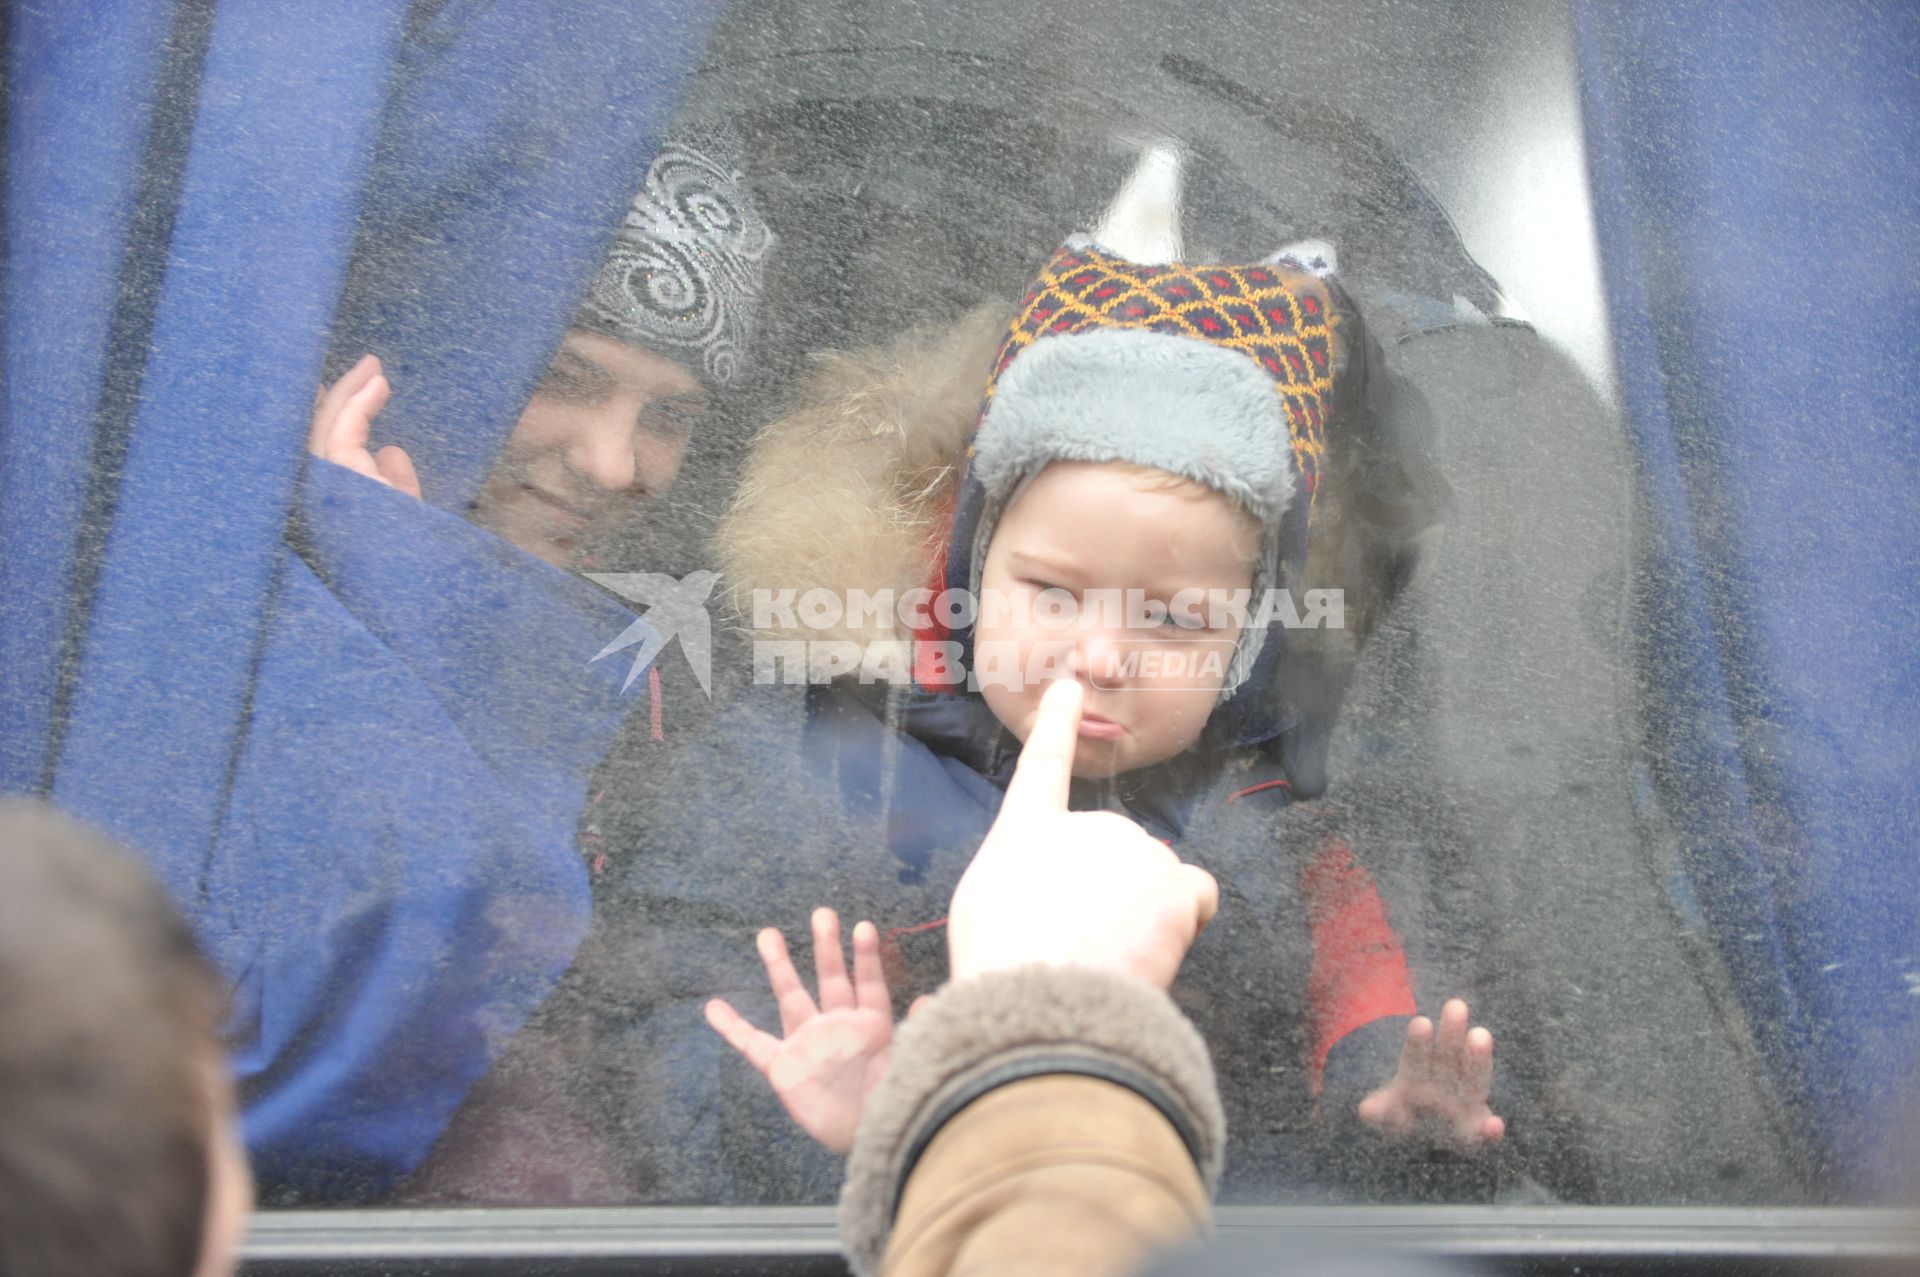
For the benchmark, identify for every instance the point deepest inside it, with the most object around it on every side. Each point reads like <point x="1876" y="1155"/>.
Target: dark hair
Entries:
<point x="108" y="1024"/>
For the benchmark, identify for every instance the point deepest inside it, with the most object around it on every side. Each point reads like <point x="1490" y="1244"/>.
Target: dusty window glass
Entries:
<point x="726" y="421"/>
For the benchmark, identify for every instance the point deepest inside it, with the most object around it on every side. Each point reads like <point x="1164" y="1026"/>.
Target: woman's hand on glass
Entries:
<point x="343" y="424"/>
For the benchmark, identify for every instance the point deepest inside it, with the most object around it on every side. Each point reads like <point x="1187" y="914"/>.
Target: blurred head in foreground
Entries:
<point x="118" y="1148"/>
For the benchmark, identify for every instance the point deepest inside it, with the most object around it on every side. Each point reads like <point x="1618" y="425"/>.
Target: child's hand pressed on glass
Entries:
<point x="833" y="1054"/>
<point x="1442" y="1084"/>
<point x="343" y="423"/>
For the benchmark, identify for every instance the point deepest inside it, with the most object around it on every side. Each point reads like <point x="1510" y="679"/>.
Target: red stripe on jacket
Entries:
<point x="1359" y="970"/>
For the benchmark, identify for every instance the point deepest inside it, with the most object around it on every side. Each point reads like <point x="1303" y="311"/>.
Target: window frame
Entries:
<point x="1589" y="1240"/>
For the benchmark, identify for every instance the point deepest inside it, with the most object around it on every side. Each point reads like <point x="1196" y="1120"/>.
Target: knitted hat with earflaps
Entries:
<point x="1217" y="373"/>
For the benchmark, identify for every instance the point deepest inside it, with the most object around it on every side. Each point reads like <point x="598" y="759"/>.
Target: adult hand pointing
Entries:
<point x="1062" y="887"/>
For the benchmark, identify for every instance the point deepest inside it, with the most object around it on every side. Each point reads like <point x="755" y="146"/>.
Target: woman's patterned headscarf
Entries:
<point x="684" y="276"/>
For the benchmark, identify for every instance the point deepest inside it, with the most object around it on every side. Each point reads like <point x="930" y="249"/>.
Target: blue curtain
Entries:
<point x="1755" y="172"/>
<point x="350" y="731"/>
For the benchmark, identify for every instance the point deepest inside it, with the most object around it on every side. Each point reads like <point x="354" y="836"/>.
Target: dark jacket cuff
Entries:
<point x="980" y="1034"/>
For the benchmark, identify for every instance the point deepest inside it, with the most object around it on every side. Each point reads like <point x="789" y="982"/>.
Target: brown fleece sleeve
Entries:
<point x="1035" y="1120"/>
<point x="1056" y="1174"/>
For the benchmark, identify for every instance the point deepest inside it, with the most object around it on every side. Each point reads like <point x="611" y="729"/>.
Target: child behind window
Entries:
<point x="1146" y="459"/>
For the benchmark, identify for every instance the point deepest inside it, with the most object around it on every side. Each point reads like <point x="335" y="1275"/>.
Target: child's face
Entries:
<point x="1092" y="532"/>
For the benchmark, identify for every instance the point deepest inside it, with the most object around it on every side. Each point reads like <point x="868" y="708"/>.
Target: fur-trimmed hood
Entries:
<point x="854" y="488"/>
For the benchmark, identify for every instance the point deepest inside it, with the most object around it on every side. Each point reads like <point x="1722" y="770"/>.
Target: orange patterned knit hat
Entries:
<point x="1220" y="374"/>
<point x="1248" y="309"/>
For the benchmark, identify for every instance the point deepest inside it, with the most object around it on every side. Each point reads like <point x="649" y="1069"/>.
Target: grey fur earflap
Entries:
<point x="1151" y="399"/>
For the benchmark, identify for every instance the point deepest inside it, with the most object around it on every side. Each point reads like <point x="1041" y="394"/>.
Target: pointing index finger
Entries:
<point x="1044" y="773"/>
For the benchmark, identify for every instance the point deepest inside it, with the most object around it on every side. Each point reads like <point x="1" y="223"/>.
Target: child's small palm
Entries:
<point x="825" y="1070"/>
<point x="1444" y="1080"/>
<point x="833" y="1054"/>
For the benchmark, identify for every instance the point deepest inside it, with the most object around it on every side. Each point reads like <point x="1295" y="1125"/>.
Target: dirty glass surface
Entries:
<point x="476" y="848"/>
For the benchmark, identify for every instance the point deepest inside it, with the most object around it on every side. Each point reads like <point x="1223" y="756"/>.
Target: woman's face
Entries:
<point x="604" y="432"/>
